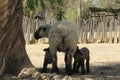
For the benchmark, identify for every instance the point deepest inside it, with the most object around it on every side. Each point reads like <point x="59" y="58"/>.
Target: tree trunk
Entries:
<point x="12" y="44"/>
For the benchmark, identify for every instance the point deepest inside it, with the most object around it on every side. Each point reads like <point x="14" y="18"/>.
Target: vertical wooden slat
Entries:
<point x="119" y="27"/>
<point x="85" y="32"/>
<point x="106" y="27"/>
<point x="104" y="21"/>
<point x="31" y="31"/>
<point x="115" y="30"/>
<point x="110" y="30"/>
<point x="98" y="32"/>
<point x="28" y="32"/>
<point x="25" y="24"/>
<point x="95" y="30"/>
<point x="81" y="33"/>
<point x="91" y="27"/>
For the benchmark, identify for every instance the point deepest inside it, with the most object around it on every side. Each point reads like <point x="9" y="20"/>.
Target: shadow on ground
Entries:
<point x="99" y="71"/>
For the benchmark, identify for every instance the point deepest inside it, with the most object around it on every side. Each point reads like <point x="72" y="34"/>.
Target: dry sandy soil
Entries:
<point x="104" y="63"/>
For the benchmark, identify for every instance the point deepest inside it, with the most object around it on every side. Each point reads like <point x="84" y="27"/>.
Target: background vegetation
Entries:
<point x="65" y="9"/>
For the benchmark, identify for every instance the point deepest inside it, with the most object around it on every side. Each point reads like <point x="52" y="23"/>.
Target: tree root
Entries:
<point x="33" y="73"/>
<point x="27" y="72"/>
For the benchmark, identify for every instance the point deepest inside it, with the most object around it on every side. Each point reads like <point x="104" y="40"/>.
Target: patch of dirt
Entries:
<point x="104" y="62"/>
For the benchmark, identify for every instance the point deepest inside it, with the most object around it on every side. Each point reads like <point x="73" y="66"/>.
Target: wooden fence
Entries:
<point x="29" y="27"/>
<point x="98" y="29"/>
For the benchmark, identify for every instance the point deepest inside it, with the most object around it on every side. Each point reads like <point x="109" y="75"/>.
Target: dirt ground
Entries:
<point x="104" y="60"/>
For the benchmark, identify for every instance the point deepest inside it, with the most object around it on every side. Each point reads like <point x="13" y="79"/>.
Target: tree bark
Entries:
<point x="12" y="43"/>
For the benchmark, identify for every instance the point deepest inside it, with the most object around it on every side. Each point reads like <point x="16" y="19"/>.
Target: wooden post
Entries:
<point x="81" y="33"/>
<point x="79" y="27"/>
<point x="110" y="30"/>
<point x="104" y="29"/>
<point x="115" y="30"/>
<point x="36" y="27"/>
<point x="32" y="31"/>
<point x="119" y="27"/>
<point x="91" y="28"/>
<point x="95" y="30"/>
<point x="28" y="32"/>
<point x="37" y="24"/>
<point x="86" y="32"/>
<point x="101" y="29"/>
<point x="98" y="33"/>
<point x="25" y="25"/>
<point x="83" y="30"/>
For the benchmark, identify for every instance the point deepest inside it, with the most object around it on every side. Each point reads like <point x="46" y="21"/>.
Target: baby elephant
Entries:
<point x="79" y="58"/>
<point x="47" y="59"/>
